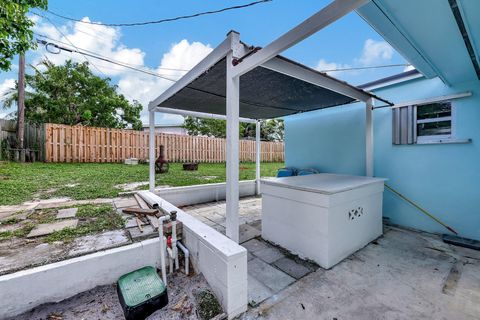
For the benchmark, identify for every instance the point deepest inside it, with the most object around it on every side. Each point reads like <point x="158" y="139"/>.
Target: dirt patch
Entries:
<point x="131" y="186"/>
<point x="102" y="302"/>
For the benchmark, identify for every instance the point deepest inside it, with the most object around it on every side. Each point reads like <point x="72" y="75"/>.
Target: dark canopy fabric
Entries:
<point x="264" y="94"/>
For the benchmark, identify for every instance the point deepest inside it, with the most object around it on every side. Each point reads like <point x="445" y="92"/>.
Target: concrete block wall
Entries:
<point x="222" y="261"/>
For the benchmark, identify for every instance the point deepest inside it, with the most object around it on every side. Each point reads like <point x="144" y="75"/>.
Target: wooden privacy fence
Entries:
<point x="90" y="144"/>
<point x="33" y="141"/>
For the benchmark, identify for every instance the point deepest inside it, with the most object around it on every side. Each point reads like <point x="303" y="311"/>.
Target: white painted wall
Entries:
<point x="222" y="262"/>
<point x="189" y="195"/>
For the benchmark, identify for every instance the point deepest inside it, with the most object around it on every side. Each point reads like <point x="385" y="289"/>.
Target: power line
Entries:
<point x="368" y="67"/>
<point x="86" y="50"/>
<point x="101" y="58"/>
<point x="71" y="43"/>
<point x="133" y="24"/>
<point x="93" y="55"/>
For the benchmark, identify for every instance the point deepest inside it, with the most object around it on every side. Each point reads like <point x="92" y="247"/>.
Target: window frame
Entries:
<point x="434" y="138"/>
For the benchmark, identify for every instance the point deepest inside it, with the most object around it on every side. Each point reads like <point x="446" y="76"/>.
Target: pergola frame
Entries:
<point x="232" y="48"/>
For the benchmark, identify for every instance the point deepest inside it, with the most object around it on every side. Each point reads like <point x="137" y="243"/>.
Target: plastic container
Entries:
<point x="306" y="172"/>
<point x="286" y="172"/>
<point x="141" y="293"/>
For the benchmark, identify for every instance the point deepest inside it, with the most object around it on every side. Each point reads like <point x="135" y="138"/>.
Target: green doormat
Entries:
<point x="141" y="292"/>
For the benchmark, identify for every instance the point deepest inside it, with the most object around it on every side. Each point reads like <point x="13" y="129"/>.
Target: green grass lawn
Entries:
<point x="20" y="182"/>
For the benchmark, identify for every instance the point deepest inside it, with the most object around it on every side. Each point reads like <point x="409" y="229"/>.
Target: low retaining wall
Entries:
<point x="24" y="290"/>
<point x="189" y="195"/>
<point x="222" y="261"/>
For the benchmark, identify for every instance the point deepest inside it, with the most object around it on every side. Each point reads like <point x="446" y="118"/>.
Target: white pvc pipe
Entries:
<point x="186" y="253"/>
<point x="162" y="247"/>
<point x="170" y="259"/>
<point x="174" y="243"/>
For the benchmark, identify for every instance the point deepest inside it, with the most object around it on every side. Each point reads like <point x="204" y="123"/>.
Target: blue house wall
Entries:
<point x="443" y="178"/>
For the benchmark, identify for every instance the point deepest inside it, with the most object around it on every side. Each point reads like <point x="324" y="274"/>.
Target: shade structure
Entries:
<point x="275" y="89"/>
<point x="264" y="94"/>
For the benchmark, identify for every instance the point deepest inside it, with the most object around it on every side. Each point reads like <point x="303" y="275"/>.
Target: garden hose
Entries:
<point x="431" y="216"/>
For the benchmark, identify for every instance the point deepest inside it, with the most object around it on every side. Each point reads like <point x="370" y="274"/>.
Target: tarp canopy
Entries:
<point x="264" y="93"/>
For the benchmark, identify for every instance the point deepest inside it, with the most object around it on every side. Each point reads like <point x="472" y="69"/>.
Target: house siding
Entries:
<point x="442" y="178"/>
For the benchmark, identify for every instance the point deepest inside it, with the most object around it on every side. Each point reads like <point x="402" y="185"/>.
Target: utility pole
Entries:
<point x="21" y="106"/>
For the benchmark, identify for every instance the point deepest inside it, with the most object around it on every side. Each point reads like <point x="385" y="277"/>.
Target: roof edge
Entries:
<point x="391" y="80"/>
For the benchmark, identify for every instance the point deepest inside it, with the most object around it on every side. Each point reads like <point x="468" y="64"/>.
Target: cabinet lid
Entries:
<point x="325" y="183"/>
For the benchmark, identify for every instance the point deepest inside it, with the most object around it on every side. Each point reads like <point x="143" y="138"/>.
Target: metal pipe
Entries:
<point x="186" y="253"/>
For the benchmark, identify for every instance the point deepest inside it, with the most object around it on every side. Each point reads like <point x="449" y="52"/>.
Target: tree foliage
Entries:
<point x="270" y="130"/>
<point x="71" y="94"/>
<point x="16" y="35"/>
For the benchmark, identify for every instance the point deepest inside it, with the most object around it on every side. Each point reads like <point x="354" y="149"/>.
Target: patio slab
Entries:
<point x="292" y="268"/>
<point x="48" y="228"/>
<point x="263" y="250"/>
<point x="257" y="291"/>
<point x="400" y="276"/>
<point x="97" y="242"/>
<point x="67" y="213"/>
<point x="269" y="276"/>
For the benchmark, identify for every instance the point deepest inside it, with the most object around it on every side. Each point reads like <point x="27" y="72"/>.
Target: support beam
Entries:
<point x="151" y="151"/>
<point x="297" y="71"/>
<point x="233" y="111"/>
<point x="369" y="164"/>
<point x="258" y="148"/>
<point x="199" y="114"/>
<point x="318" y="21"/>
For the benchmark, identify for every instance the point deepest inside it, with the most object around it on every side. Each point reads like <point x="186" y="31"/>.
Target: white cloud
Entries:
<point x="375" y="52"/>
<point x="408" y="68"/>
<point x="106" y="41"/>
<point x="6" y="86"/>
<point x="325" y="66"/>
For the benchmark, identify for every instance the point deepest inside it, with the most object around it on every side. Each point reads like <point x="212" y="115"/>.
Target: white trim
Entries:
<point x="315" y="23"/>
<point x="392" y="82"/>
<point x="293" y="70"/>
<point x="151" y="151"/>
<point x="432" y="100"/>
<point x="199" y="114"/>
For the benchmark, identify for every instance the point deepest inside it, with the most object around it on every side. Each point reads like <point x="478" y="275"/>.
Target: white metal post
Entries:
<point x="151" y="150"/>
<point x="233" y="112"/>
<point x="257" y="156"/>
<point x="369" y="138"/>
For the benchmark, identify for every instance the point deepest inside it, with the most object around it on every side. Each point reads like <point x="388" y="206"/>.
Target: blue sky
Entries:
<point x="349" y="42"/>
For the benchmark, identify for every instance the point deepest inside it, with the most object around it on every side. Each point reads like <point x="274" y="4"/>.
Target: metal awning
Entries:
<point x="277" y="88"/>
